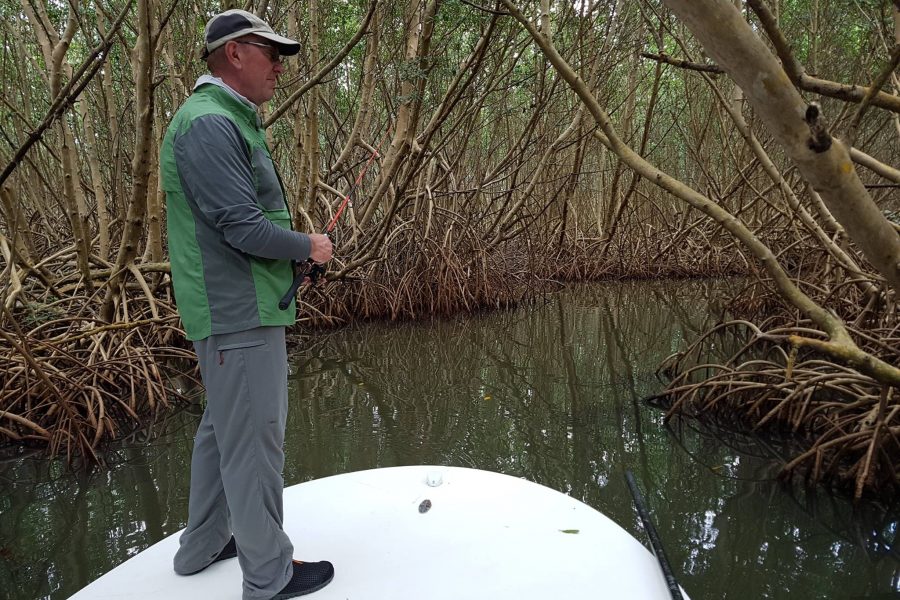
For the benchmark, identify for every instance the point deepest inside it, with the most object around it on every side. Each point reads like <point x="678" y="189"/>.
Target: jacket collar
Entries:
<point x="244" y="106"/>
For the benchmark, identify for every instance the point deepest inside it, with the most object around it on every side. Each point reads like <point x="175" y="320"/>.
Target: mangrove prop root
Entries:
<point x="71" y="384"/>
<point x="846" y="423"/>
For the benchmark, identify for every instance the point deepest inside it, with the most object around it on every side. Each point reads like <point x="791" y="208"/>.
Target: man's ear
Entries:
<point x="232" y="55"/>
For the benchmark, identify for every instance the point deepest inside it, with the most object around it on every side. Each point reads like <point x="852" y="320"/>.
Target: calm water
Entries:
<point x="551" y="392"/>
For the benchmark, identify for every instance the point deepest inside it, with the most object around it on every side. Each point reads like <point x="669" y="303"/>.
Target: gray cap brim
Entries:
<point x="286" y="46"/>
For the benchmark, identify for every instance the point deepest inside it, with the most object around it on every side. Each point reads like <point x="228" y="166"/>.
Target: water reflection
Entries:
<point x="59" y="531"/>
<point x="551" y="392"/>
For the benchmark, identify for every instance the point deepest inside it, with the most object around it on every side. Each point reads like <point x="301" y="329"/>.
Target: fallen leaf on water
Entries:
<point x="570" y="530"/>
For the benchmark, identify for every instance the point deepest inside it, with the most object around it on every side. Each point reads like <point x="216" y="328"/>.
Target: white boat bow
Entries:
<point x="425" y="533"/>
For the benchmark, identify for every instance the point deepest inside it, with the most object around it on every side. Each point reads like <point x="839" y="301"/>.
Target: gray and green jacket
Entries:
<point x="230" y="241"/>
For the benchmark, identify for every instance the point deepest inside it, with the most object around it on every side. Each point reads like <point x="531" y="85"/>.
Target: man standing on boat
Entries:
<point x="231" y="249"/>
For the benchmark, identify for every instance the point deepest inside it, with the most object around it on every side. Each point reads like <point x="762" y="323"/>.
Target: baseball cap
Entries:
<point x="235" y="23"/>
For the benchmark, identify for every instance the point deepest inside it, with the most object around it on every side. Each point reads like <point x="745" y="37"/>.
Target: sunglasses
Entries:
<point x="272" y="52"/>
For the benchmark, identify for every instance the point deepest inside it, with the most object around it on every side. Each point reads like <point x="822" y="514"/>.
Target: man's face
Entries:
<point x="260" y="68"/>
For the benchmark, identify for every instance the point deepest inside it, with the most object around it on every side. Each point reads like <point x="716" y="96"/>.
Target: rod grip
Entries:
<point x="310" y="270"/>
<point x="285" y="301"/>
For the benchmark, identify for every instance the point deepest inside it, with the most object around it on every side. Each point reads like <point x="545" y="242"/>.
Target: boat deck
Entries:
<point x="425" y="533"/>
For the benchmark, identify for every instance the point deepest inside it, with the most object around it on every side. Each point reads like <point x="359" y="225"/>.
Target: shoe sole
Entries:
<point x="303" y="593"/>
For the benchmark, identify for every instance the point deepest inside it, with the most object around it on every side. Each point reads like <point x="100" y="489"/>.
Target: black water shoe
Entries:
<point x="307" y="578"/>
<point x="229" y="551"/>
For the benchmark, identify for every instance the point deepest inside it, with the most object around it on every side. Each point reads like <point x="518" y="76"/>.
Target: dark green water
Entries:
<point x="551" y="392"/>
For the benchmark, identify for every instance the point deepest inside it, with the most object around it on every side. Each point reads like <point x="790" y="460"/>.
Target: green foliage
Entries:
<point x="38" y="313"/>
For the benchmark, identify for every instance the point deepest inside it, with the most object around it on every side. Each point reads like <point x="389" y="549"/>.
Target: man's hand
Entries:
<point x="320" y="248"/>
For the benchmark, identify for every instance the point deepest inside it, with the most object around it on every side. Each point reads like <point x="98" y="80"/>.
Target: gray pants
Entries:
<point x="238" y="459"/>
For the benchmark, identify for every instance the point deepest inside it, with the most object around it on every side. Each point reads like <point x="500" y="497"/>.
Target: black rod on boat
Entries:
<point x="655" y="543"/>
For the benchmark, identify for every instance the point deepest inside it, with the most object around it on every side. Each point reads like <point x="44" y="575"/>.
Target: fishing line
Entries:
<point x="310" y="270"/>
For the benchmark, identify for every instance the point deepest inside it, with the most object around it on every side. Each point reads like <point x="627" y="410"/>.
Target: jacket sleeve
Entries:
<point x="217" y="178"/>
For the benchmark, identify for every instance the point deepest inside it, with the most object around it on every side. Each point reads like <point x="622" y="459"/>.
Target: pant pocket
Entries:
<point x="240" y="345"/>
<point x="221" y="350"/>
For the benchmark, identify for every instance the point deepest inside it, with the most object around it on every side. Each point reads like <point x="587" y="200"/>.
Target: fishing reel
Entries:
<point x="309" y="272"/>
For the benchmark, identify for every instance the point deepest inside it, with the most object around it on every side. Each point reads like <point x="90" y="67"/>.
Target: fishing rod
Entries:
<point x="309" y="269"/>
<point x="655" y="543"/>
